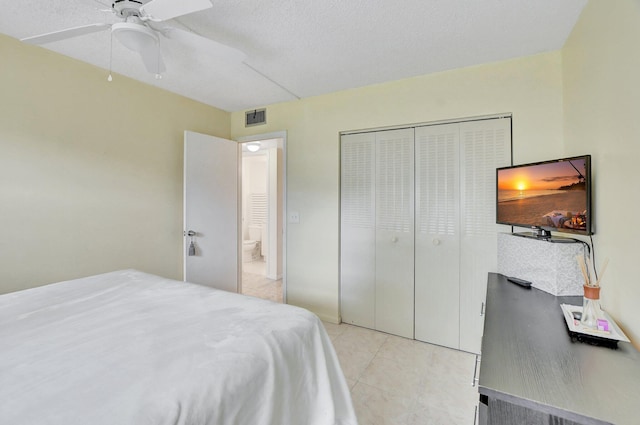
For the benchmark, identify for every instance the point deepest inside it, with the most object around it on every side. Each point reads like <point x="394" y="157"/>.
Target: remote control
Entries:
<point x="521" y="282"/>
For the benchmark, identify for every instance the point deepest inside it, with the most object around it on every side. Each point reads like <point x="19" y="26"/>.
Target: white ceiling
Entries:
<point x="296" y="49"/>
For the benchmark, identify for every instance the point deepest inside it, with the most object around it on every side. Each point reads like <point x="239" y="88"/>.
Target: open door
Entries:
<point x="211" y="211"/>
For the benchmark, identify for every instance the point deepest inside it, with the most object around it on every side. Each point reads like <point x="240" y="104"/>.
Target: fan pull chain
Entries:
<point x="110" y="78"/>
<point x="158" y="75"/>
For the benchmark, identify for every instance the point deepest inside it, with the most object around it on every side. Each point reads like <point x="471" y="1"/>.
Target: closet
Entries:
<point x="418" y="231"/>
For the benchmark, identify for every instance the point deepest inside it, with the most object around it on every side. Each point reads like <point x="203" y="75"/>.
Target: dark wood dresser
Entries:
<point x="531" y="372"/>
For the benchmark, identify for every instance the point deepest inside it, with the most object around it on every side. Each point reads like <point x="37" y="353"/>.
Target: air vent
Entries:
<point x="255" y="117"/>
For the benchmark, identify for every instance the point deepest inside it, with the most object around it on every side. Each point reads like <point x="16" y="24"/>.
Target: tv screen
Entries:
<point x="546" y="196"/>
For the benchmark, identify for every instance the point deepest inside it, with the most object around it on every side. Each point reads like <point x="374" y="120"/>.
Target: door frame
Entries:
<point x="256" y="138"/>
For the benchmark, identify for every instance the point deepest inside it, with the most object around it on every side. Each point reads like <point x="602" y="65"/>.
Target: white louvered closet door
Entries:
<point x="485" y="146"/>
<point x="418" y="232"/>
<point x="357" y="230"/>
<point x="394" y="232"/>
<point x="437" y="234"/>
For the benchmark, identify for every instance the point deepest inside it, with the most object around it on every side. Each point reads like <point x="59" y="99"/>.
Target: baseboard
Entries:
<point x="330" y="319"/>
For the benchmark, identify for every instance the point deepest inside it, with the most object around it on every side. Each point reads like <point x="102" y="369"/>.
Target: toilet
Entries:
<point x="250" y="250"/>
<point x="251" y="246"/>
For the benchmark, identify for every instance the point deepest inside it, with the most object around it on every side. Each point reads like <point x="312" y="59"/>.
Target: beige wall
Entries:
<point x="601" y="67"/>
<point x="530" y="88"/>
<point x="90" y="171"/>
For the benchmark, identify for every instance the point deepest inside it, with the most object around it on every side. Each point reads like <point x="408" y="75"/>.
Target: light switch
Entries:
<point x="294" y="217"/>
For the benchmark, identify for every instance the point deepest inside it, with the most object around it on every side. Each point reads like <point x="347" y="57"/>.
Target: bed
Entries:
<point x="132" y="348"/>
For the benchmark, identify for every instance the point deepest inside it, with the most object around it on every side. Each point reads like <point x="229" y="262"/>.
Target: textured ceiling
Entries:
<point x="297" y="49"/>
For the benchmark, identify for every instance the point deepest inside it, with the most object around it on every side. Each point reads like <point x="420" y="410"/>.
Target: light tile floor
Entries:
<point x="399" y="381"/>
<point x="256" y="284"/>
<point x="393" y="380"/>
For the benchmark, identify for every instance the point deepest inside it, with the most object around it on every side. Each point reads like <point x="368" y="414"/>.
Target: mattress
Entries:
<point x="132" y="348"/>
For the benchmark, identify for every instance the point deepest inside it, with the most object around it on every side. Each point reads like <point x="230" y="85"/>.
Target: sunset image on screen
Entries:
<point x="549" y="194"/>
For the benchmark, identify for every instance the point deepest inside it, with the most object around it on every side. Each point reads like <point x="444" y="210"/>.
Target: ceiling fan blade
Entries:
<point x="162" y="10"/>
<point x="152" y="60"/>
<point x="205" y="45"/>
<point x="64" y="34"/>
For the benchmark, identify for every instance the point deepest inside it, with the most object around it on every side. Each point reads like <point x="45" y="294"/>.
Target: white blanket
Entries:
<point x="132" y="348"/>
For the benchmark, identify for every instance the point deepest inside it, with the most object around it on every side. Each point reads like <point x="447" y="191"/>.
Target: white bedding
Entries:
<point x="132" y="348"/>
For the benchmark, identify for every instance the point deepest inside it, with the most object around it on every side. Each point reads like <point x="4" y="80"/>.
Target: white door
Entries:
<point x="437" y="243"/>
<point x="394" y="232"/>
<point x="484" y="146"/>
<point x="376" y="230"/>
<point x="211" y="211"/>
<point x="357" y="230"/>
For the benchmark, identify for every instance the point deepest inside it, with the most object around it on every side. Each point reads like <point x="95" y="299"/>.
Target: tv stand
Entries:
<point x="545" y="235"/>
<point x="541" y="233"/>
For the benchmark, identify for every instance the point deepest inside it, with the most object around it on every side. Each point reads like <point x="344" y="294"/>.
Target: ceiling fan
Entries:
<point x="137" y="31"/>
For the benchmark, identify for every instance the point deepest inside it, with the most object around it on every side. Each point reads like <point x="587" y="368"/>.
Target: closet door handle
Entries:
<point x="475" y="372"/>
<point x="482" y="309"/>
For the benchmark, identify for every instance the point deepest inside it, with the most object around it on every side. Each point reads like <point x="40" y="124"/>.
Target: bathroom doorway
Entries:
<point x="262" y="208"/>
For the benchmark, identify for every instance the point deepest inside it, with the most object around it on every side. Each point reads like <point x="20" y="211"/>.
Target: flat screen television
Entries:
<point x="546" y="196"/>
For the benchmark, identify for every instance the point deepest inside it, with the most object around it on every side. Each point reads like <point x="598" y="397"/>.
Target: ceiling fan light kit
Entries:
<point x="135" y="36"/>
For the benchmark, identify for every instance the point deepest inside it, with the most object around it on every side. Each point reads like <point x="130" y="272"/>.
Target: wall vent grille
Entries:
<point x="255" y="117"/>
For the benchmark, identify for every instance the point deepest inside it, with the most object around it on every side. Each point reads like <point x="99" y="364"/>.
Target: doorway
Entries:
<point x="262" y="218"/>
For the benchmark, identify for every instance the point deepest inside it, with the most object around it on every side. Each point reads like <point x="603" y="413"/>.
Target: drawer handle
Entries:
<point x="475" y="415"/>
<point x="476" y="378"/>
